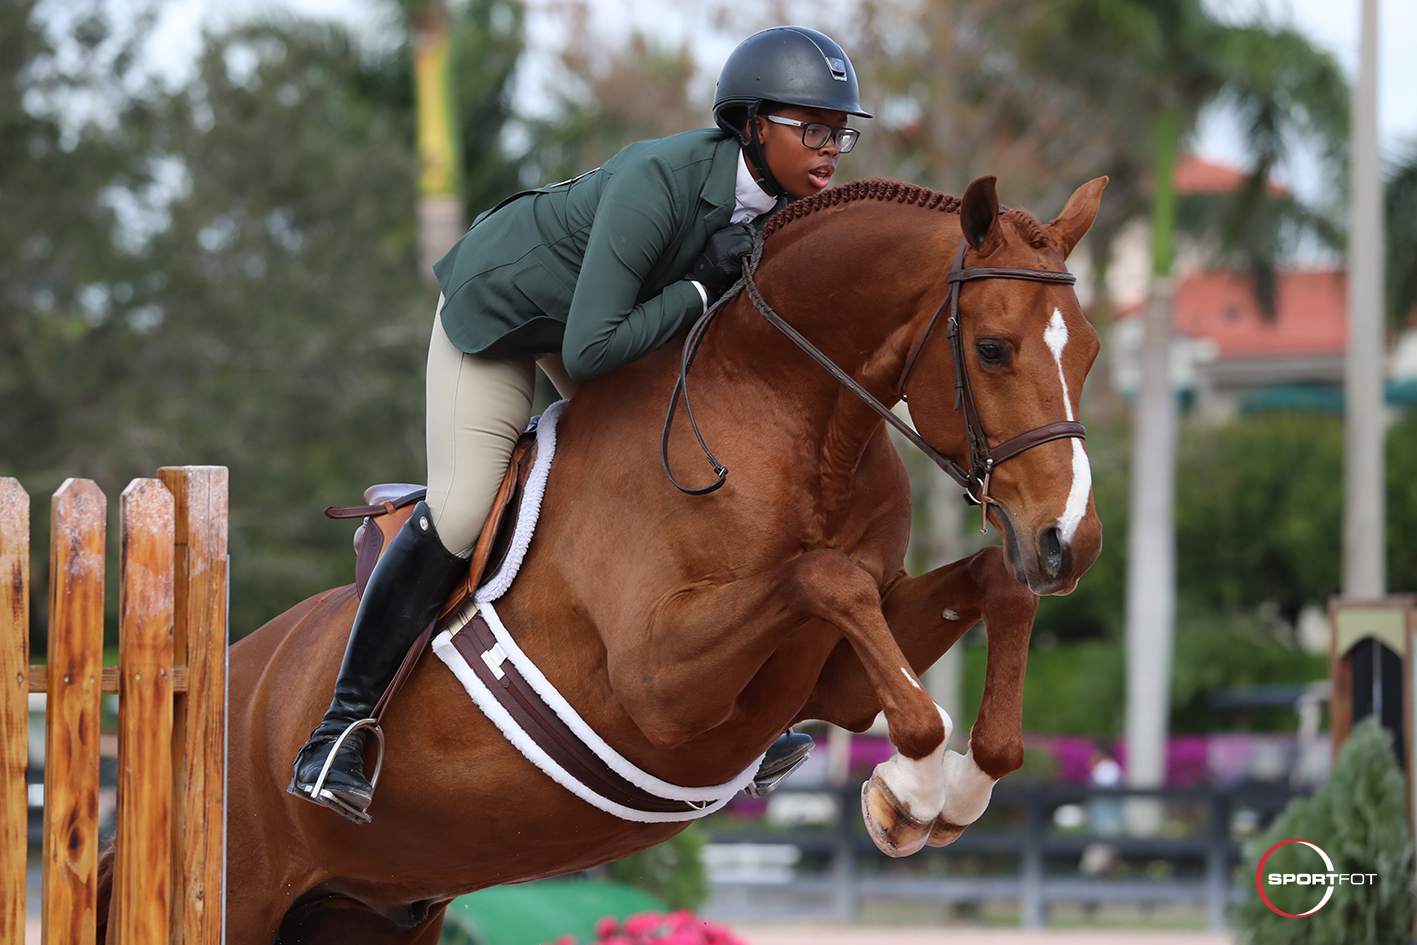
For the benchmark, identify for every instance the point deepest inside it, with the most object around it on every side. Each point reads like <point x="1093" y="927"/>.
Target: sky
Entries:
<point x="1329" y="24"/>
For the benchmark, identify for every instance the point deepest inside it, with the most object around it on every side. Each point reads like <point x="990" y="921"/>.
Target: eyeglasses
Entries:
<point x="816" y="135"/>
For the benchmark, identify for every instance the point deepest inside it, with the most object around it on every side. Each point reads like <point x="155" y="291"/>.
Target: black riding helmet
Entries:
<point x="791" y="65"/>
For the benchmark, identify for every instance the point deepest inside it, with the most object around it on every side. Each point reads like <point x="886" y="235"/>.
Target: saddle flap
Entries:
<point x="391" y="504"/>
<point x="495" y="534"/>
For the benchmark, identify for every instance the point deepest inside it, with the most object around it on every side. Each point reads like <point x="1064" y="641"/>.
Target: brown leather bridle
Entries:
<point x="983" y="459"/>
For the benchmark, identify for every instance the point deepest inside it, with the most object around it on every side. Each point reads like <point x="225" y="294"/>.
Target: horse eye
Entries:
<point x="990" y="352"/>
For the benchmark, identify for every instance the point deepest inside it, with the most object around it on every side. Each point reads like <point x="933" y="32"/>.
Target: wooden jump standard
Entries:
<point x="171" y="684"/>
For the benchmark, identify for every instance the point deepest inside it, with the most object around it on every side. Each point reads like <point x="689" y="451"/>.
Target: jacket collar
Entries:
<point x="719" y="189"/>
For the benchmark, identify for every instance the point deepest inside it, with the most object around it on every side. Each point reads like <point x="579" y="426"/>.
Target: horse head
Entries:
<point x="876" y="291"/>
<point x="1025" y="349"/>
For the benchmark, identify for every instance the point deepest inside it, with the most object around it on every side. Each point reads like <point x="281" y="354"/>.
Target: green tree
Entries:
<point x="287" y="322"/>
<point x="1401" y="217"/>
<point x="73" y="127"/>
<point x="1259" y="512"/>
<point x="71" y="140"/>
<point x="618" y="91"/>
<point x="223" y="274"/>
<point x="955" y="99"/>
<point x="1156" y="64"/>
<point x="1402" y="505"/>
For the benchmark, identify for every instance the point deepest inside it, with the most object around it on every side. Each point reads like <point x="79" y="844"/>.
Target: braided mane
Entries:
<point x="893" y="190"/>
<point x="1029" y="227"/>
<point x="873" y="189"/>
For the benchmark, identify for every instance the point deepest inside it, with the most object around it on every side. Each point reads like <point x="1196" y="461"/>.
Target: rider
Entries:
<point x="598" y="271"/>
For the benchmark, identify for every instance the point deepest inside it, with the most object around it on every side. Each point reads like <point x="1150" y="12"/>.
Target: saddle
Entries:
<point x="390" y="505"/>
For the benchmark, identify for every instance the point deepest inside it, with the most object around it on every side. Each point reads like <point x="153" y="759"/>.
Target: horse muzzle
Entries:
<point x="1043" y="559"/>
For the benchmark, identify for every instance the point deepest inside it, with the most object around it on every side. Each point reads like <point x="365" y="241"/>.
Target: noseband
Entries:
<point x="982" y="458"/>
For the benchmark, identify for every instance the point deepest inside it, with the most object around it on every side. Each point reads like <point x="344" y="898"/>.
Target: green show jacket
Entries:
<point x="593" y="267"/>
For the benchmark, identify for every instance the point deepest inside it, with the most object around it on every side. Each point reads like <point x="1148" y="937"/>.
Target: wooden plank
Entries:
<point x="39" y="679"/>
<point x="14" y="705"/>
<point x="142" y="878"/>
<point x="200" y="633"/>
<point x="78" y="531"/>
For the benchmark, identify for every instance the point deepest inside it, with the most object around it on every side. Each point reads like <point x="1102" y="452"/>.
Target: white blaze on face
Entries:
<point x="1055" y="336"/>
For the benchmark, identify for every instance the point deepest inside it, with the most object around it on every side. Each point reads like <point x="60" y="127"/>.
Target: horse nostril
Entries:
<point x="1050" y="551"/>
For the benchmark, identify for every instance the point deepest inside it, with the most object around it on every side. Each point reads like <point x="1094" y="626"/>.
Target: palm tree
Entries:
<point x="462" y="63"/>
<point x="1401" y="217"/>
<point x="1154" y="65"/>
<point x="440" y="215"/>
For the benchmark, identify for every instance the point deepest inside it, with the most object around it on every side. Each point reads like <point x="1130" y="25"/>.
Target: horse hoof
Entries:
<point x="894" y="832"/>
<point x="943" y="833"/>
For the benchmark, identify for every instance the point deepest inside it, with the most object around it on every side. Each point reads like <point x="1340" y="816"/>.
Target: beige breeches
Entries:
<point x="477" y="408"/>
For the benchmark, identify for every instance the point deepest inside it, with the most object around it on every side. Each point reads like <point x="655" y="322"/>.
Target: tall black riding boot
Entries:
<point x="408" y="586"/>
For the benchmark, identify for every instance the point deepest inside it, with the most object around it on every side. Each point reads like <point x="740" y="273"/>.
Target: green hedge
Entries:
<point x="1360" y="820"/>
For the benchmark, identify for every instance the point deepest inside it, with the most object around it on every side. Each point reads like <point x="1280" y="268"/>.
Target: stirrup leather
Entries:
<point x="317" y="793"/>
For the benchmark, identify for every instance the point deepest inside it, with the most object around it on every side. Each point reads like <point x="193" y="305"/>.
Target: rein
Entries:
<point x="982" y="458"/>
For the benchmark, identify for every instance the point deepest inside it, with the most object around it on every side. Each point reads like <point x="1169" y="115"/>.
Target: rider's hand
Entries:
<point x="721" y="263"/>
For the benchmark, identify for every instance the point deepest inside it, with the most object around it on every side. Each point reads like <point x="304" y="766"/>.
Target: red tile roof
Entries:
<point x="1195" y="175"/>
<point x="1310" y="314"/>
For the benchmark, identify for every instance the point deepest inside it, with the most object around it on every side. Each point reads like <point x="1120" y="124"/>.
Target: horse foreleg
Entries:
<point x="996" y="740"/>
<point x="927" y="615"/>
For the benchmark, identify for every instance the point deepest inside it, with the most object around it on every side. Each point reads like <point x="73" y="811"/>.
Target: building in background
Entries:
<point x="1228" y="357"/>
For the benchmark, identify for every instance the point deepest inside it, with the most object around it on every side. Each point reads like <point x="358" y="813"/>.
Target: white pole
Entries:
<point x="1151" y="562"/>
<point x="1364" y="555"/>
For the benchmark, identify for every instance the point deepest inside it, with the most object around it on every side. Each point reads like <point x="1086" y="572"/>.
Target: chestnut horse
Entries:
<point x="690" y="631"/>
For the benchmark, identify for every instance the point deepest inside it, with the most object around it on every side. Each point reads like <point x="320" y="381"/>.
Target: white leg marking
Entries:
<point x="910" y="677"/>
<point x="919" y="785"/>
<point x="1055" y="336"/>
<point x="949" y="615"/>
<point x="967" y="789"/>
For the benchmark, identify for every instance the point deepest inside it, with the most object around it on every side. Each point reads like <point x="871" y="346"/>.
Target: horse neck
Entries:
<point x="860" y="290"/>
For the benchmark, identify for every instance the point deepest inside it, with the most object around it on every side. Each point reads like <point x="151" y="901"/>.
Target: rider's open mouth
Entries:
<point x="822" y="174"/>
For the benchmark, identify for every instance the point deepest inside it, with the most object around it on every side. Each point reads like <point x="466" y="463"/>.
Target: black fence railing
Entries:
<point x="1015" y="853"/>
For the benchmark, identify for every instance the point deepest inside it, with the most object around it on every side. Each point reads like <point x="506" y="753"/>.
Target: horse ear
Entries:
<point x="1077" y="216"/>
<point x="979" y="212"/>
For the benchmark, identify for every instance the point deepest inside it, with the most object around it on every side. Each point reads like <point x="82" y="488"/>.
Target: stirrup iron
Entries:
<point x="763" y="784"/>
<point x="319" y="795"/>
